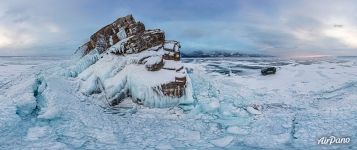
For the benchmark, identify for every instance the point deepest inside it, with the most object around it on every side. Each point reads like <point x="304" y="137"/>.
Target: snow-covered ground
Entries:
<point x="235" y="107"/>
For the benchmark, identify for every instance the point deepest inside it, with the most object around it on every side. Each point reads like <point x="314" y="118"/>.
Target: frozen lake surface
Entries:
<point x="236" y="107"/>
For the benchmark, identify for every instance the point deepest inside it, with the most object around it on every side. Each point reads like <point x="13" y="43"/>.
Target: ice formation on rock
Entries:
<point x="124" y="60"/>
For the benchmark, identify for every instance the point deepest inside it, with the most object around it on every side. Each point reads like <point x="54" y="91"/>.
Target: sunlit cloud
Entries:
<point x="10" y="40"/>
<point x="345" y="35"/>
<point x="4" y="39"/>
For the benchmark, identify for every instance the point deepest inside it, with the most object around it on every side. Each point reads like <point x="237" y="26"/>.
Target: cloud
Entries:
<point x="52" y="27"/>
<point x="29" y="27"/>
<point x="344" y="34"/>
<point x="302" y="27"/>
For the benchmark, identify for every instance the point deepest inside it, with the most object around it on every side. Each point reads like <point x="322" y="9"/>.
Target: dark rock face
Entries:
<point x="156" y="65"/>
<point x="140" y="42"/>
<point x="173" y="48"/>
<point x="138" y="39"/>
<point x="268" y="70"/>
<point x="108" y="36"/>
<point x="174" y="89"/>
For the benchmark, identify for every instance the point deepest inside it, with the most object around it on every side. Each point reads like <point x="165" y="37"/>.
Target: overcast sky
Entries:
<point x="286" y="28"/>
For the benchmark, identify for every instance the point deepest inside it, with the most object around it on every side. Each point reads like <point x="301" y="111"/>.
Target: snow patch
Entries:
<point x="164" y="146"/>
<point x="149" y="62"/>
<point x="237" y="130"/>
<point x="253" y="111"/>
<point x="222" y="142"/>
<point x="104" y="136"/>
<point x="210" y="107"/>
<point x="35" y="133"/>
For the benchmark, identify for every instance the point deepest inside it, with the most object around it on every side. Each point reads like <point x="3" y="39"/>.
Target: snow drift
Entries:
<point x="124" y="60"/>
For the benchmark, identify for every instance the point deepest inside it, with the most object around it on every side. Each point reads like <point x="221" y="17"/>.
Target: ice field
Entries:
<point x="235" y="107"/>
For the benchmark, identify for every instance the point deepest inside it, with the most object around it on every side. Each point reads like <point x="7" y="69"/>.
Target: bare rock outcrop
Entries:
<point x="133" y="47"/>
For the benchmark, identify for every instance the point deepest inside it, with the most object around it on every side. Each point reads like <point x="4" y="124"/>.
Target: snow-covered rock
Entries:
<point x="253" y="111"/>
<point x="125" y="60"/>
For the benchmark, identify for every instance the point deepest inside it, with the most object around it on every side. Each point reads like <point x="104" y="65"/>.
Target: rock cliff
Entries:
<point x="123" y="59"/>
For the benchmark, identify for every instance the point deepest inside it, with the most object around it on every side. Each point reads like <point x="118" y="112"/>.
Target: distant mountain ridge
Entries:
<point x="217" y="53"/>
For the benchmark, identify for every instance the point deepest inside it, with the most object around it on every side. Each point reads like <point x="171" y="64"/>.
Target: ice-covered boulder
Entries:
<point x="124" y="60"/>
<point x="268" y="70"/>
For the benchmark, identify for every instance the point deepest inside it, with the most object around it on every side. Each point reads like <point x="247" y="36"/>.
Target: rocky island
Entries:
<point x="123" y="59"/>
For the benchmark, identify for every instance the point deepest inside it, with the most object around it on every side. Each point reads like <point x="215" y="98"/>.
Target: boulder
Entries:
<point x="268" y="70"/>
<point x="154" y="63"/>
